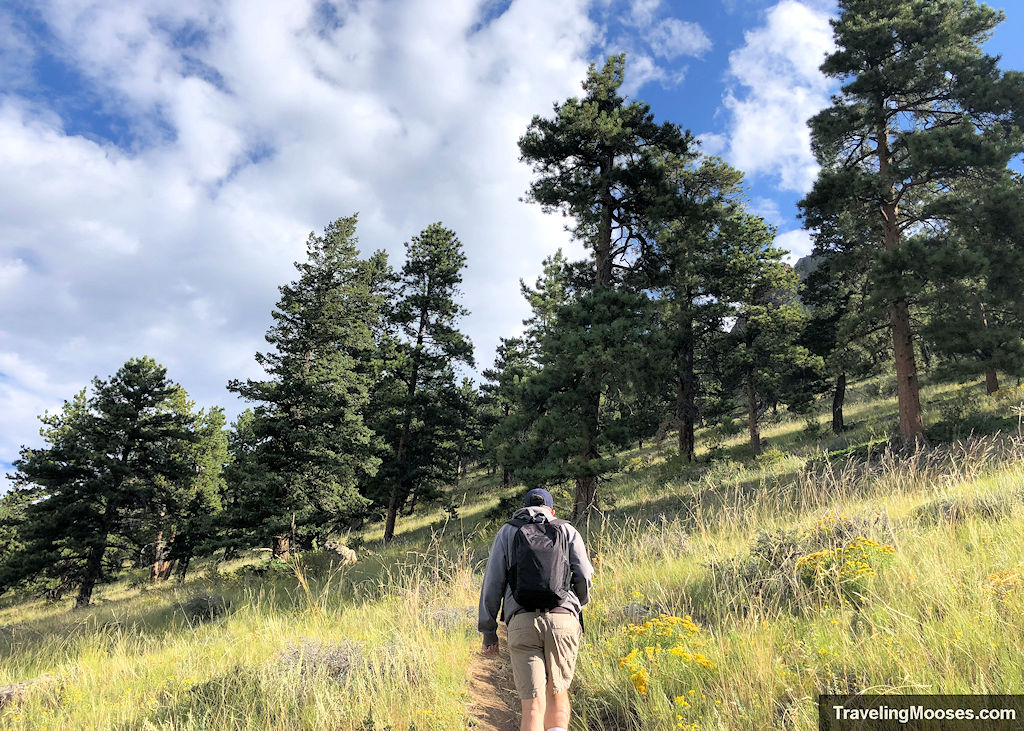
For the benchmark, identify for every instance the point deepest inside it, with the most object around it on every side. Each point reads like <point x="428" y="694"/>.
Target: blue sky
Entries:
<point x="161" y="163"/>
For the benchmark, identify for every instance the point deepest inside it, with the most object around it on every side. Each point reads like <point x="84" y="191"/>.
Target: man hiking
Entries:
<point x="539" y="574"/>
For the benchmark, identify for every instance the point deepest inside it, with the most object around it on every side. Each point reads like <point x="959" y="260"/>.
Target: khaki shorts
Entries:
<point x="543" y="647"/>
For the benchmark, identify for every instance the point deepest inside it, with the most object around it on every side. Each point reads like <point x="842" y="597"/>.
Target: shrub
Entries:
<point x="664" y="652"/>
<point x="816" y="430"/>
<point x="845" y="570"/>
<point x="1004" y="584"/>
<point x="204" y="608"/>
<point x="958" y="509"/>
<point x="771" y="456"/>
<point x="773" y="570"/>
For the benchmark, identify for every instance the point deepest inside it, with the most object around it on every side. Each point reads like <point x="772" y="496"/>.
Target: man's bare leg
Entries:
<point x="533" y="715"/>
<point x="556" y="714"/>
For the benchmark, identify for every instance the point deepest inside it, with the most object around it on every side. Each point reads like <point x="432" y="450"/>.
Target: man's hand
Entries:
<point x="491" y="649"/>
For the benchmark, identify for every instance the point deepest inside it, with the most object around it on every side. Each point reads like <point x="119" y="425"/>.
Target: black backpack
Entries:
<point x="540" y="575"/>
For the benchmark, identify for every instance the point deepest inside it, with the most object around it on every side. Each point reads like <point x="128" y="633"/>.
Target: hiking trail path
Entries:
<point x="495" y="705"/>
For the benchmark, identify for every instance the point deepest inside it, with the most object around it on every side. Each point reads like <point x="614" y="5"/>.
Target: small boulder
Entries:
<point x="15" y="692"/>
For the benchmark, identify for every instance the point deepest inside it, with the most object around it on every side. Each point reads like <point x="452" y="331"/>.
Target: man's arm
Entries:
<point x="493" y="590"/>
<point x="579" y="565"/>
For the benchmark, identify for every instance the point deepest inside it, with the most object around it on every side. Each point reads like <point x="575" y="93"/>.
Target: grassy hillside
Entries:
<point x="727" y="596"/>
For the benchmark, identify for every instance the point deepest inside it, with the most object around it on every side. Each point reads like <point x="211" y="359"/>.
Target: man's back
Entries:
<point x="544" y="623"/>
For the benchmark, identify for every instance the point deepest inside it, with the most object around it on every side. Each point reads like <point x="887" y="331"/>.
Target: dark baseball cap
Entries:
<point x="539" y="496"/>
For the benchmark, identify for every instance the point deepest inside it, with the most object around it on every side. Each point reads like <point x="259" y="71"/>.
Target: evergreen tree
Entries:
<point x="247" y="519"/>
<point x="763" y="344"/>
<point x="310" y="437"/>
<point x="709" y="253"/>
<point x="921" y="109"/>
<point x="197" y="509"/>
<point x="975" y="309"/>
<point x="846" y="326"/>
<point x="599" y="161"/>
<point x="104" y="474"/>
<point x="502" y="398"/>
<point x="424" y="402"/>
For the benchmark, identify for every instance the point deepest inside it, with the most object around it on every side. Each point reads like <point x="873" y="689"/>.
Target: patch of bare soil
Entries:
<point x="495" y="705"/>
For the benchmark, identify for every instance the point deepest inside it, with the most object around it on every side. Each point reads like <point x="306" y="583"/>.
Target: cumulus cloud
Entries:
<point x="672" y="38"/>
<point x="654" y="44"/>
<point x="642" y="12"/>
<point x="797" y="242"/>
<point x="253" y="123"/>
<point x="776" y="88"/>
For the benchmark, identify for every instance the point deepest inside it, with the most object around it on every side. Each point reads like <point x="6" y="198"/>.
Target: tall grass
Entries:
<point x="387" y="643"/>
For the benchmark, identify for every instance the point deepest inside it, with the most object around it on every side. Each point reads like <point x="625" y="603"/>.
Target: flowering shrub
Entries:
<point x="847" y="569"/>
<point x="1004" y="584"/>
<point x="666" y="650"/>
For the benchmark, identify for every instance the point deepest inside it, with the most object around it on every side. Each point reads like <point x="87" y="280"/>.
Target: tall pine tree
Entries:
<point x="921" y="109"/>
<point x="311" y="441"/>
<point x="421" y="428"/>
<point x="110" y="459"/>
<point x="598" y="161"/>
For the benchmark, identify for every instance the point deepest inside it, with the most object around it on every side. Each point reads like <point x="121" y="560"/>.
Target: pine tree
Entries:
<point x="105" y="472"/>
<point x="709" y="251"/>
<point x="197" y="510"/>
<point x="310" y="437"/>
<point x="423" y="395"/>
<point x="762" y="346"/>
<point x="597" y="161"/>
<point x="502" y="398"/>
<point x="921" y="109"/>
<point x="975" y="312"/>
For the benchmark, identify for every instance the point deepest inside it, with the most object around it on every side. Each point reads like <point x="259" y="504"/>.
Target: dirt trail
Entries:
<point x="495" y="705"/>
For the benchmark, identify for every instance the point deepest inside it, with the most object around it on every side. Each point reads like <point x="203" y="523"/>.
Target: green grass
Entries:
<point x="386" y="643"/>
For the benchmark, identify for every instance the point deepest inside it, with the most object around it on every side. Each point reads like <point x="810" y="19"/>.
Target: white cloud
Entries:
<point x="642" y="69"/>
<point x="780" y="88"/>
<point x="263" y="129"/>
<point x="712" y="143"/>
<point x="672" y="38"/>
<point x="798" y="242"/>
<point x="642" y="12"/>
<point x="767" y="209"/>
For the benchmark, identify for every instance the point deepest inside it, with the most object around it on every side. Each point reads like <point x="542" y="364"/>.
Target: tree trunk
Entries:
<point x="506" y="477"/>
<point x="837" y="404"/>
<point x="183" y="567"/>
<point x="399" y="491"/>
<point x="991" y="381"/>
<point x="907" y="387"/>
<point x="158" y="558"/>
<point x="586" y="485"/>
<point x="93" y="566"/>
<point x="752" y="426"/>
<point x="281" y="548"/>
<point x="686" y="394"/>
<point x="585" y="499"/>
<point x="586" y="496"/>
<point x="908" y="393"/>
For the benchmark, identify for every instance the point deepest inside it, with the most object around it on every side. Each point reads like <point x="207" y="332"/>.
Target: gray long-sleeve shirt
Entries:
<point x="496" y="588"/>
